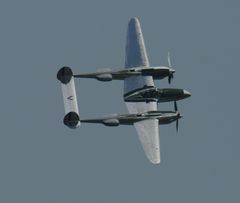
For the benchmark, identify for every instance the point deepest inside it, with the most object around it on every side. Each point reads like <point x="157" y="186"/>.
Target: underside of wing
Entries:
<point x="147" y="130"/>
<point x="136" y="56"/>
<point x="148" y="133"/>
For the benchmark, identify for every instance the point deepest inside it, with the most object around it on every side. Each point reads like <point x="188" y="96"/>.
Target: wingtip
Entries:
<point x="155" y="161"/>
<point x="154" y="158"/>
<point x="134" y="20"/>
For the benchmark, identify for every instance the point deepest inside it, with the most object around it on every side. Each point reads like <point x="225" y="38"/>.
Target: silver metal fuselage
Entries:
<point x="147" y="94"/>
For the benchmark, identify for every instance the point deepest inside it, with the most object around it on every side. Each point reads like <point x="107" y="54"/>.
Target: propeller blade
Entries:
<point x="169" y="60"/>
<point x="169" y="79"/>
<point x="175" y="106"/>
<point x="177" y="125"/>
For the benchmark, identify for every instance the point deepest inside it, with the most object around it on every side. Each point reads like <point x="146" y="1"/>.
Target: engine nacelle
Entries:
<point x="72" y="120"/>
<point x="111" y="122"/>
<point x="157" y="72"/>
<point x="104" y="77"/>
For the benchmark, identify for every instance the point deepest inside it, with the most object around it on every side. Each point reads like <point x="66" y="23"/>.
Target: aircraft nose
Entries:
<point x="186" y="93"/>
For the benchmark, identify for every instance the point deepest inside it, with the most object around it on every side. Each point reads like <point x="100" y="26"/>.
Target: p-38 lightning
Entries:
<point x="140" y="94"/>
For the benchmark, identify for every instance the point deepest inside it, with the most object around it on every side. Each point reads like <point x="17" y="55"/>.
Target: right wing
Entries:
<point x="147" y="130"/>
<point x="136" y="56"/>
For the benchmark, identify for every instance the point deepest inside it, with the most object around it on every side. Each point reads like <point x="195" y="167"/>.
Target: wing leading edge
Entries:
<point x="136" y="56"/>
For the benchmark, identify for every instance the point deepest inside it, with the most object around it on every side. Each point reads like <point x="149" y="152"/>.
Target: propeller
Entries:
<point x="176" y="110"/>
<point x="177" y="125"/>
<point x="175" y="106"/>
<point x="169" y="60"/>
<point x="170" y="77"/>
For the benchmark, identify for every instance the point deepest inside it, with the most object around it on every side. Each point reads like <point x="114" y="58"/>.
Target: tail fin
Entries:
<point x="65" y="76"/>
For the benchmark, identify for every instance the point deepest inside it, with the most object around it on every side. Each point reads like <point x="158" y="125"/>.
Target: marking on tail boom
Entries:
<point x="70" y="98"/>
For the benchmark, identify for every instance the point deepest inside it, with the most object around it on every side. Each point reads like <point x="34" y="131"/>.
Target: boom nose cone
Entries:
<point x="186" y="93"/>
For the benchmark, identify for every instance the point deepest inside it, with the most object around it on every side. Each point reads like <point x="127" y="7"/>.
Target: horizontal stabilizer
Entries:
<point x="65" y="76"/>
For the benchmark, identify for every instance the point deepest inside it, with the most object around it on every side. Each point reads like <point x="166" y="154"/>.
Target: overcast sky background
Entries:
<point x="41" y="160"/>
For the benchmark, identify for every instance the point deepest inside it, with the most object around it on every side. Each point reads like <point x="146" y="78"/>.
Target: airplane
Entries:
<point x="138" y="78"/>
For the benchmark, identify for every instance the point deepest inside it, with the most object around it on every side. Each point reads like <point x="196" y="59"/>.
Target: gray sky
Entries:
<point x="43" y="161"/>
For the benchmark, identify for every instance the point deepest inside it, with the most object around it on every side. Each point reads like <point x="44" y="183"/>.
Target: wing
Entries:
<point x="147" y="130"/>
<point x="136" y="56"/>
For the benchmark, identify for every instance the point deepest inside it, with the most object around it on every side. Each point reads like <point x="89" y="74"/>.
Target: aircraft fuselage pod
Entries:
<point x="148" y="94"/>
